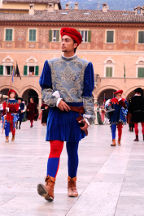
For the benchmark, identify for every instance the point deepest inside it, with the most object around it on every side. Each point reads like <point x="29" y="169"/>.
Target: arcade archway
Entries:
<point x="30" y="93"/>
<point x="105" y="94"/>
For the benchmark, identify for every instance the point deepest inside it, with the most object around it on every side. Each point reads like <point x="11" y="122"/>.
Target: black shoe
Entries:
<point x="31" y="126"/>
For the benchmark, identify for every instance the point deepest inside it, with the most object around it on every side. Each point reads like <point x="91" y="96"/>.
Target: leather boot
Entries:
<point x="136" y="139"/>
<point x="119" y="141"/>
<point x="47" y="191"/>
<point x="13" y="138"/>
<point x="72" y="190"/>
<point x="7" y="139"/>
<point x="113" y="142"/>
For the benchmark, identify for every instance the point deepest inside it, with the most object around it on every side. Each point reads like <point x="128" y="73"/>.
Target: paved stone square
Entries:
<point x="110" y="179"/>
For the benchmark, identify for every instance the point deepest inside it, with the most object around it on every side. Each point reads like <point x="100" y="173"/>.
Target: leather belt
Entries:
<point x="138" y="111"/>
<point x="77" y="109"/>
<point x="80" y="110"/>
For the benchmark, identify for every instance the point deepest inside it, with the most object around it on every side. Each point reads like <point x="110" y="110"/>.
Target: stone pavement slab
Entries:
<point x="110" y="179"/>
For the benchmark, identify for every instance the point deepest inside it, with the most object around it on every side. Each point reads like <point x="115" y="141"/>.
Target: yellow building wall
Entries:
<point x="26" y="6"/>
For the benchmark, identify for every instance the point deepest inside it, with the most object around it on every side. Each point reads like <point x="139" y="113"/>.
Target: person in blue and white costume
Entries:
<point x="67" y="84"/>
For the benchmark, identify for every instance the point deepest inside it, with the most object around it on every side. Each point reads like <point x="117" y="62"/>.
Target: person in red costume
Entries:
<point x="32" y="111"/>
<point x="10" y="110"/>
<point x="118" y="116"/>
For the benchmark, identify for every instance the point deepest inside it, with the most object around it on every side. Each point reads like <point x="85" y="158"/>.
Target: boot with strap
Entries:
<point x="119" y="141"/>
<point x="136" y="139"/>
<point x="7" y="139"/>
<point x="13" y="138"/>
<point x="113" y="142"/>
<point x="72" y="190"/>
<point x="47" y="191"/>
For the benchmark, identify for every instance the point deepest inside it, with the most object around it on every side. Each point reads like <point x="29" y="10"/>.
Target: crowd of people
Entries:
<point x="14" y="111"/>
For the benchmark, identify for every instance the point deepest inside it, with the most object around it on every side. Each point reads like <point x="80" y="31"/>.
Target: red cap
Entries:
<point x="119" y="91"/>
<point x="73" y="33"/>
<point x="10" y="91"/>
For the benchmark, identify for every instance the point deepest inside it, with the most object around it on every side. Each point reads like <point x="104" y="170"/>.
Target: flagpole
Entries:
<point x="124" y="71"/>
<point x="104" y="98"/>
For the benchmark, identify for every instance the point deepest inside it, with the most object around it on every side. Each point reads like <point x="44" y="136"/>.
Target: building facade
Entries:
<point x="112" y="40"/>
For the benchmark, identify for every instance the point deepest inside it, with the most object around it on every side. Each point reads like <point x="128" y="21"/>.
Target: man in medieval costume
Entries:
<point x="117" y="117"/>
<point x="136" y="109"/>
<point x="31" y="111"/>
<point x="67" y="84"/>
<point x="20" y="112"/>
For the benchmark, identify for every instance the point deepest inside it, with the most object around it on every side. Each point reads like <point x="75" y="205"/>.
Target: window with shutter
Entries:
<point x="36" y="70"/>
<point x="86" y="36"/>
<point x="25" y="70"/>
<point x="8" y="34"/>
<point x="141" y="37"/>
<point x="89" y="36"/>
<point x="1" y="69"/>
<point x="109" y="71"/>
<point x="57" y="35"/>
<point x="140" y="72"/>
<point x="50" y="35"/>
<point x="32" y="35"/>
<point x="110" y="37"/>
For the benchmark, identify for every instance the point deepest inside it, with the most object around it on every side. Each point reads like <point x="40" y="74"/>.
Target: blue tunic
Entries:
<point x="71" y="79"/>
<point x="119" y="115"/>
<point x="21" y="115"/>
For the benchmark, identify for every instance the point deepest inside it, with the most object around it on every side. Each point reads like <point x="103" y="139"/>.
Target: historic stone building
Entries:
<point x="112" y="40"/>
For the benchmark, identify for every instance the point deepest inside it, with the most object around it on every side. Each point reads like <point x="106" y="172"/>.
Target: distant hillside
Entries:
<point x="113" y="4"/>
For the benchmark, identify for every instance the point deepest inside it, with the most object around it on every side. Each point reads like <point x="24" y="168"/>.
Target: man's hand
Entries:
<point x="85" y="127"/>
<point x="28" y="110"/>
<point x="63" y="106"/>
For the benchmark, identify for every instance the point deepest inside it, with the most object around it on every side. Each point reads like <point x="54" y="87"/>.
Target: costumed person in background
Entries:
<point x="136" y="109"/>
<point x="67" y="84"/>
<point x="107" y="110"/>
<point x="45" y="112"/>
<point x="10" y="116"/>
<point x="31" y="111"/>
<point x="96" y="117"/>
<point x="118" y="116"/>
<point x="20" y="112"/>
<point x="103" y="113"/>
<point x="99" y="115"/>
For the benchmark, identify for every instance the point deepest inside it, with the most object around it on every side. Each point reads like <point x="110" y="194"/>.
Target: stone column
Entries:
<point x="40" y="103"/>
